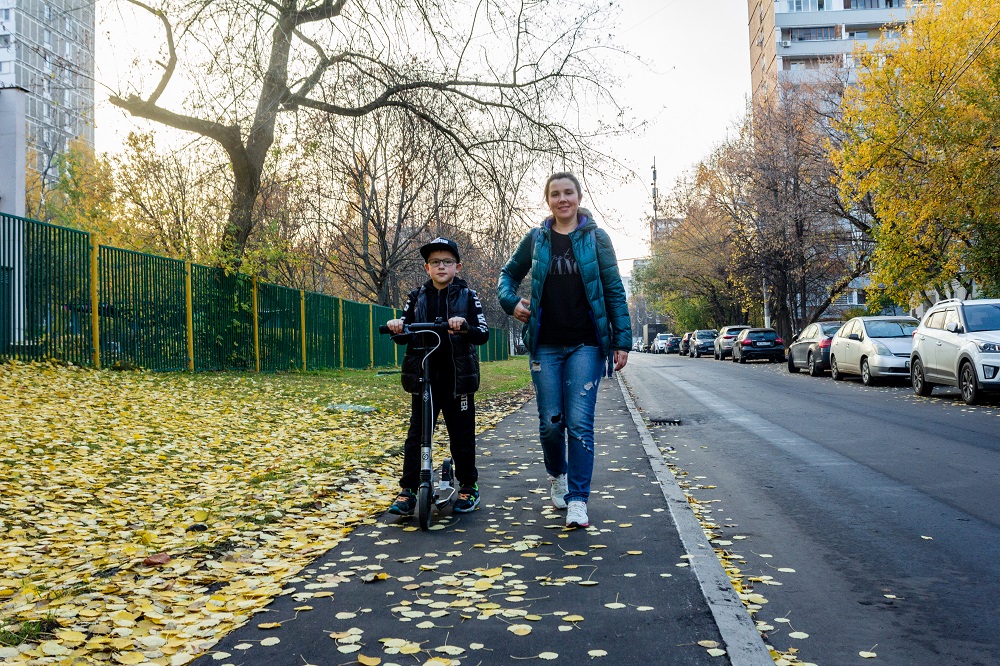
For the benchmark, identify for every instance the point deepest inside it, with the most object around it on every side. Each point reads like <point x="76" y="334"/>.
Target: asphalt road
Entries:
<point x="884" y="504"/>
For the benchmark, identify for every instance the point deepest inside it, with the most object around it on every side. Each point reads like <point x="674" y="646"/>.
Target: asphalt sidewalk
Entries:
<point x="509" y="582"/>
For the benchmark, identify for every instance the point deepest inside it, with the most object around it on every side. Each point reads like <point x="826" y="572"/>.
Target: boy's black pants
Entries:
<point x="460" y="420"/>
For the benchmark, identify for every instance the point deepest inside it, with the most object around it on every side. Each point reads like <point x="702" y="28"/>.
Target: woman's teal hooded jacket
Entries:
<point x="601" y="281"/>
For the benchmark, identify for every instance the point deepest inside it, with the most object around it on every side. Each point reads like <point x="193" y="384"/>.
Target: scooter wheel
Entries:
<point x="424" y="501"/>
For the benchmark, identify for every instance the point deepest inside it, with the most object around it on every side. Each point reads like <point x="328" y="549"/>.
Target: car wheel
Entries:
<point x="834" y="370"/>
<point x="920" y="384"/>
<point x="791" y="365"/>
<point x="814" y="371"/>
<point x="715" y="355"/>
<point x="742" y="359"/>
<point x="866" y="374"/>
<point x="968" y="384"/>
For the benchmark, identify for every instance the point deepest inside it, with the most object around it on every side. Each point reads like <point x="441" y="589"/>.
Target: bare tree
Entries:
<point x="481" y="75"/>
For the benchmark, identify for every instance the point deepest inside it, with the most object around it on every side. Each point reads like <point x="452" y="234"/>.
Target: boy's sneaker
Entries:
<point x="468" y="499"/>
<point x="404" y="504"/>
<point x="558" y="490"/>
<point x="576" y="515"/>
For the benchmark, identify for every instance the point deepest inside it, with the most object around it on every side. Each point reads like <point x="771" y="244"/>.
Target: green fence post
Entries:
<point x="189" y="321"/>
<point x="302" y="319"/>
<point x="256" y="326"/>
<point x="371" y="336"/>
<point x="95" y="314"/>
<point x="340" y="333"/>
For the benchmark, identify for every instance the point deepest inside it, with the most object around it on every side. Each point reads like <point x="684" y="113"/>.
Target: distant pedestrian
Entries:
<point x="576" y="330"/>
<point x="454" y="372"/>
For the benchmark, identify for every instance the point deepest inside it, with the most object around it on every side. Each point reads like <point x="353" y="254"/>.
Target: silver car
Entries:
<point x="873" y="347"/>
<point x="958" y="344"/>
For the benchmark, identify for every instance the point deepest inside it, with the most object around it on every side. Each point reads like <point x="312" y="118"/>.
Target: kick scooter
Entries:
<point x="434" y="490"/>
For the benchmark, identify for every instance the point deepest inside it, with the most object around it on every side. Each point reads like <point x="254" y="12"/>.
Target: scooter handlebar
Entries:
<point x="416" y="327"/>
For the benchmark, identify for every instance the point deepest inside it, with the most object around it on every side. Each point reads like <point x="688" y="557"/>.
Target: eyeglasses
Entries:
<point x="442" y="262"/>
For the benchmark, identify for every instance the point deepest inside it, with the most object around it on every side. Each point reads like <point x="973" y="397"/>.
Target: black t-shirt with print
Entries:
<point x="566" y="317"/>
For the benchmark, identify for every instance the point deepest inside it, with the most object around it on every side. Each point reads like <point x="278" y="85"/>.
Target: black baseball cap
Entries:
<point x="440" y="243"/>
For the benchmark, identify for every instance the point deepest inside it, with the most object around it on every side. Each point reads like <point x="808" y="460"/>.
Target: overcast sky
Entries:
<point x="692" y="93"/>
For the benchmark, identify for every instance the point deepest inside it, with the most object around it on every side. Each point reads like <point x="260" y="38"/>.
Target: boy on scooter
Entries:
<point x="454" y="371"/>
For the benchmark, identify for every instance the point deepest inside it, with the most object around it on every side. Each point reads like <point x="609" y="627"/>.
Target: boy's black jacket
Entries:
<point x="460" y="301"/>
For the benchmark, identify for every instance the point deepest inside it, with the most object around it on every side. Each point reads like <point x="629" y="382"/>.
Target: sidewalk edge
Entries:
<point x="743" y="642"/>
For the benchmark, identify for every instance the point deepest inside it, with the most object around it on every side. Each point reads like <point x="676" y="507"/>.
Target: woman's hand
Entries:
<point x="621" y="358"/>
<point x="456" y="323"/>
<point x="521" y="311"/>
<point x="395" y="325"/>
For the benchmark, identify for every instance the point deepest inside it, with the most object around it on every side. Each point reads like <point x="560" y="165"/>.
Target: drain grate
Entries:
<point x="666" y="422"/>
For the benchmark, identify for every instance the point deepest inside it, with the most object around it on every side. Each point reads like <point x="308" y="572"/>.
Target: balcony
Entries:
<point x="847" y="17"/>
<point x="820" y="48"/>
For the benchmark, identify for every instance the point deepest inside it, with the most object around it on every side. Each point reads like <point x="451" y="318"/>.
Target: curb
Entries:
<point x="743" y="642"/>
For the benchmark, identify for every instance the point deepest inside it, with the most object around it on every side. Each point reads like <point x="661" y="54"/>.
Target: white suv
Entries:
<point x="958" y="344"/>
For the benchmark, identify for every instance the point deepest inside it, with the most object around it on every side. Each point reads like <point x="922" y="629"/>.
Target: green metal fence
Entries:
<point x="144" y="308"/>
<point x="46" y="291"/>
<point x="64" y="297"/>
<point x="222" y="310"/>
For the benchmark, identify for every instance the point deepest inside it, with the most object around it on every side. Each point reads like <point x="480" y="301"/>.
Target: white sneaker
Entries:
<point x="576" y="516"/>
<point x="558" y="490"/>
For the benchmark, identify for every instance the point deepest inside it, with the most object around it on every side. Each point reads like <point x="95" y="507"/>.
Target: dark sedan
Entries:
<point x="673" y="344"/>
<point x="701" y="342"/>
<point x="810" y="350"/>
<point x="754" y="343"/>
<point x="684" y="350"/>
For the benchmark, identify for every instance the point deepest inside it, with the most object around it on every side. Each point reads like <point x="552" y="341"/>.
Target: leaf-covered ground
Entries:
<point x="142" y="511"/>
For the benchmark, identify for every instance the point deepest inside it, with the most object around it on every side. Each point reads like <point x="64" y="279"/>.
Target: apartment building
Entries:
<point x="791" y="38"/>
<point x="47" y="50"/>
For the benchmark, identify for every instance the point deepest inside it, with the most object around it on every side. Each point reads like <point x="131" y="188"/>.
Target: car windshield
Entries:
<point x="830" y="329"/>
<point x="890" y="329"/>
<point x="707" y="335"/>
<point x="762" y="335"/>
<point x="662" y="336"/>
<point x="983" y="317"/>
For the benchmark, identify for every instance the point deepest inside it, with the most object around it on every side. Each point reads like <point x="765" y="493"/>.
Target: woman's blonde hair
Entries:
<point x="560" y="175"/>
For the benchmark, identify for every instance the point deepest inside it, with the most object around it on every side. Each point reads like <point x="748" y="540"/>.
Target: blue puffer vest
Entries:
<point x="602" y="283"/>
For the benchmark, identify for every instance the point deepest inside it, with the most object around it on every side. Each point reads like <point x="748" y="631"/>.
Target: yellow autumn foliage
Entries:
<point x="921" y="126"/>
<point x="235" y="481"/>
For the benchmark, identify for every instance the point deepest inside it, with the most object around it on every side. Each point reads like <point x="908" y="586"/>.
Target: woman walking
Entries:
<point x="576" y="329"/>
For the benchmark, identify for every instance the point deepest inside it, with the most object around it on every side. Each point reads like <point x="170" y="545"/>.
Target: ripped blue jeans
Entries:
<point x="566" y="381"/>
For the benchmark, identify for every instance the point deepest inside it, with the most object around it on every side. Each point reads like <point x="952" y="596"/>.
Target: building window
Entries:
<point x="812" y="34"/>
<point x="806" y="5"/>
<point x="47" y="38"/>
<point x="5" y="66"/>
<point x="48" y="12"/>
<point x="4" y="14"/>
<point x="4" y="41"/>
<point x="858" y="34"/>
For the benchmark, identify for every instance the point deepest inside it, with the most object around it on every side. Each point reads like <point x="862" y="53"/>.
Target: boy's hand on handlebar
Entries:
<point x="395" y="325"/>
<point x="521" y="311"/>
<point x="456" y="323"/>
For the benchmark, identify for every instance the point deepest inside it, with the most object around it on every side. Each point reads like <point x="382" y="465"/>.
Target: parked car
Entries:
<point x="674" y="344"/>
<point x="873" y="347"/>
<point x="723" y="344"/>
<point x="701" y="342"/>
<point x="660" y="343"/>
<point x="810" y="349"/>
<point x="754" y="343"/>
<point x="683" y="348"/>
<point x="958" y="344"/>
